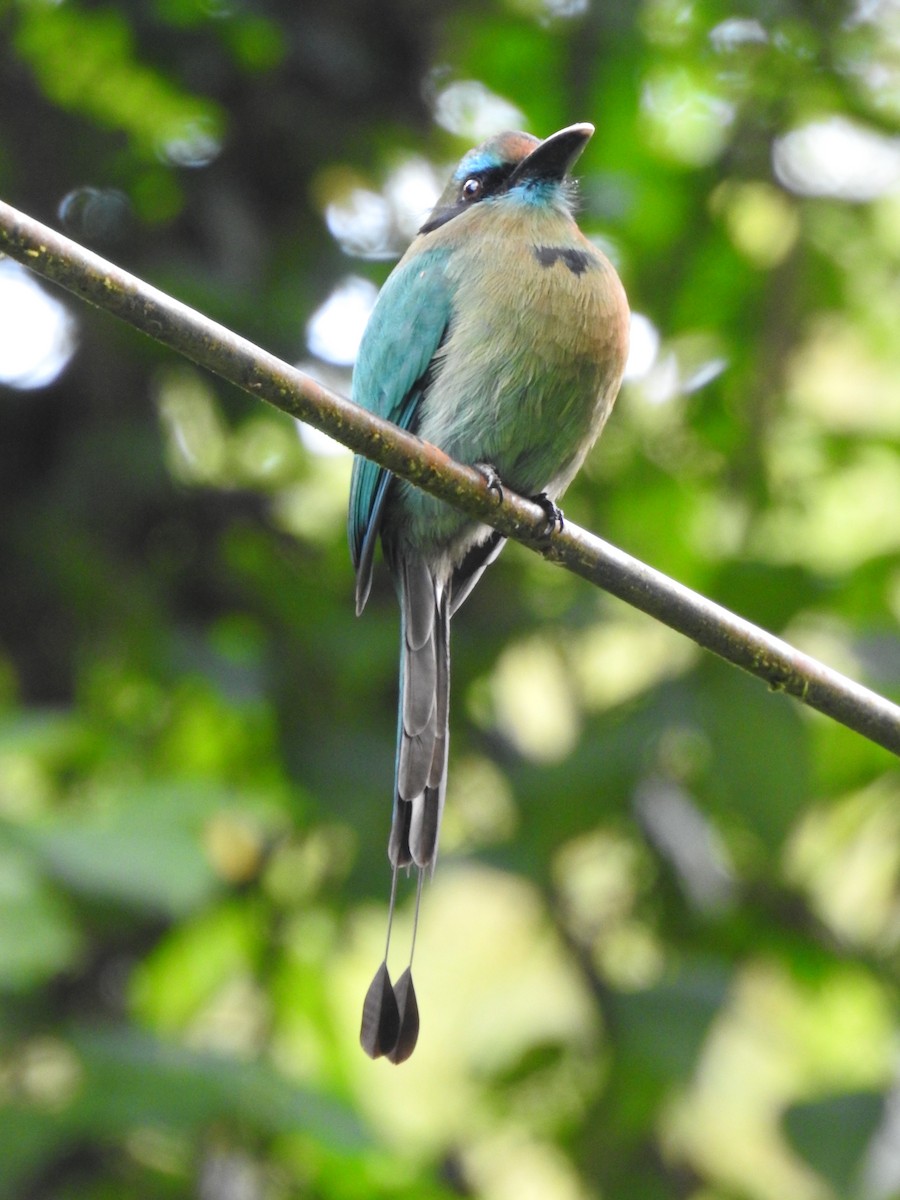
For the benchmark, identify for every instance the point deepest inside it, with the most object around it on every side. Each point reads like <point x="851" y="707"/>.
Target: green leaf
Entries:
<point x="28" y="1137"/>
<point x="834" y="1134"/>
<point x="758" y="777"/>
<point x="145" y="853"/>
<point x="38" y="936"/>
<point x="131" y="1080"/>
<point x="660" y="1031"/>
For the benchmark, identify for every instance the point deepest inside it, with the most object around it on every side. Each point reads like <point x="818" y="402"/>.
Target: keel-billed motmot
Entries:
<point x="500" y="337"/>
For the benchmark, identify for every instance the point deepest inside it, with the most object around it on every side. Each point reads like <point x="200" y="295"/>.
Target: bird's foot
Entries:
<point x="553" y="513"/>
<point x="494" y="484"/>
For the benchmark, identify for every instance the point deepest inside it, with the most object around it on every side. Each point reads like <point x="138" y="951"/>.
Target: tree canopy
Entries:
<point x="659" y="955"/>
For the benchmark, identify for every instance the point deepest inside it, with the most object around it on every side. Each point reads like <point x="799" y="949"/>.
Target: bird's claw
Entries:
<point x="491" y="478"/>
<point x="552" y="512"/>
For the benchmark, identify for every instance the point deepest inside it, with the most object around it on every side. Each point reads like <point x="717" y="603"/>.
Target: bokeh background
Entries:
<point x="659" y="956"/>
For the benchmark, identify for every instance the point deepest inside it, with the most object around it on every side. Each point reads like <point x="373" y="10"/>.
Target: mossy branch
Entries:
<point x="779" y="665"/>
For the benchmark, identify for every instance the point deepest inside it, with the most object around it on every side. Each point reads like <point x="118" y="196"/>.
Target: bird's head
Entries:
<point x="513" y="166"/>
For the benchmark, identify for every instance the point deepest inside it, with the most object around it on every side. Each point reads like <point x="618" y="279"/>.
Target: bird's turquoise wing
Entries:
<point x="407" y="326"/>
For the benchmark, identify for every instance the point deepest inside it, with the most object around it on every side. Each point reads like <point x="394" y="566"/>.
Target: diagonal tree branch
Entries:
<point x="239" y="361"/>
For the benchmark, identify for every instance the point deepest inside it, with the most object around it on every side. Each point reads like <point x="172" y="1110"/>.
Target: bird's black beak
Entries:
<point x="554" y="157"/>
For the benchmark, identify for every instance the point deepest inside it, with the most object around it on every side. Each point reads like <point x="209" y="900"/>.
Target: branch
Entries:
<point x="233" y="358"/>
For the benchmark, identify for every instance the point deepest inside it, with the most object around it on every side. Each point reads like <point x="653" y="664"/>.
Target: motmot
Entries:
<point x="501" y="338"/>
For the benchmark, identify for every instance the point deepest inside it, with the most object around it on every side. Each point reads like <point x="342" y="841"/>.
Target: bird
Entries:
<point x="500" y="337"/>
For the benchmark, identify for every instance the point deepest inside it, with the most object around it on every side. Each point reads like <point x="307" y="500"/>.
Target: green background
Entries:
<point x="659" y="955"/>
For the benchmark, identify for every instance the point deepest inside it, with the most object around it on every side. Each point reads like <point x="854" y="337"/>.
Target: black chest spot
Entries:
<point x="577" y="261"/>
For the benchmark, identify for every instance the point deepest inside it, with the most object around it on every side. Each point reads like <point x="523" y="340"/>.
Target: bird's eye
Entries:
<point x="472" y="188"/>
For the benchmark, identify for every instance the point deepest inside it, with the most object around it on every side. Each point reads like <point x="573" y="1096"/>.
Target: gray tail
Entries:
<point x="422" y="723"/>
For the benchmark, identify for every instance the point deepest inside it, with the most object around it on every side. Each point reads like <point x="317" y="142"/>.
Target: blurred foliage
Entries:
<point x="659" y="957"/>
